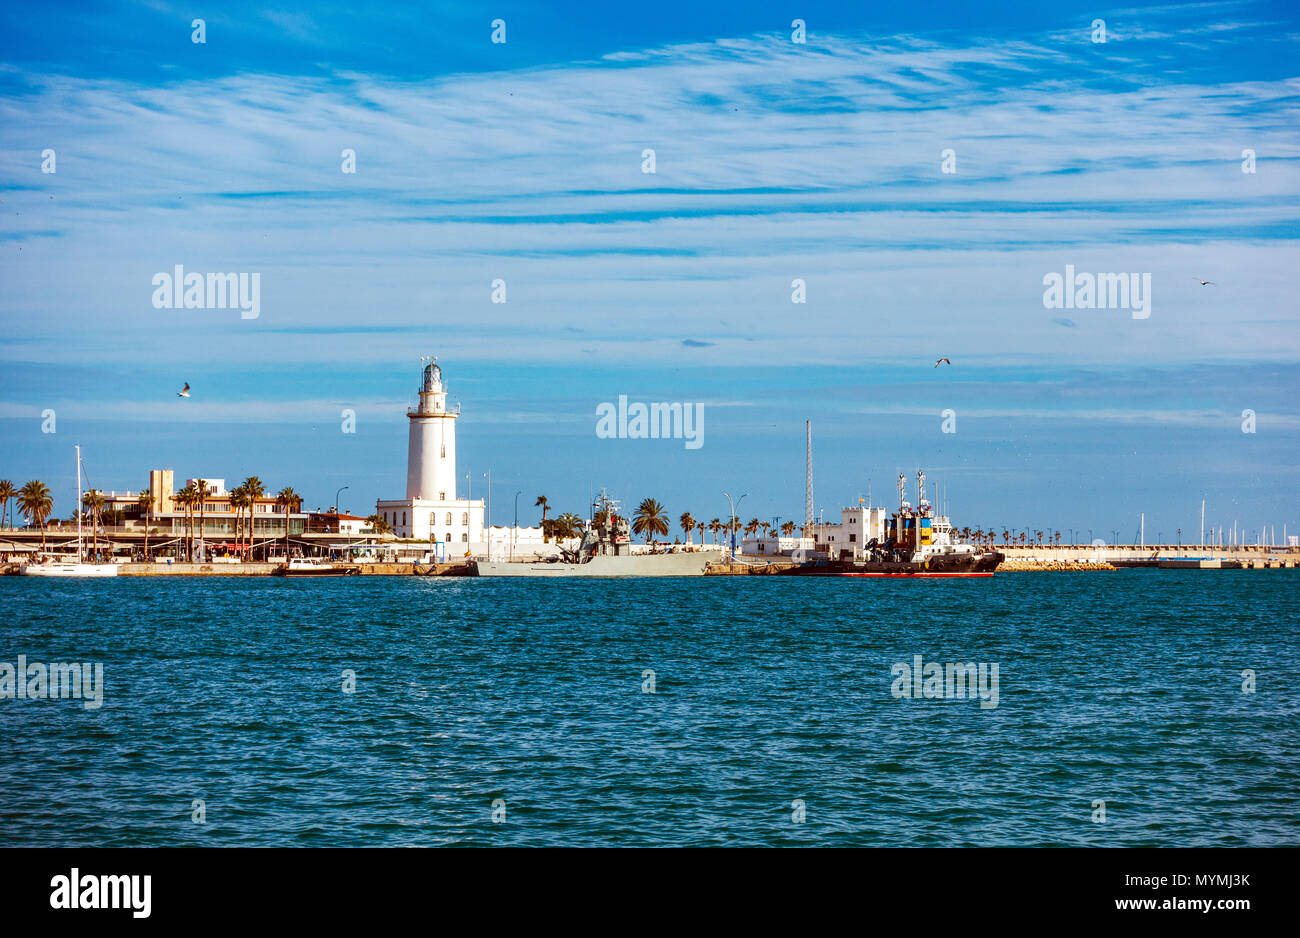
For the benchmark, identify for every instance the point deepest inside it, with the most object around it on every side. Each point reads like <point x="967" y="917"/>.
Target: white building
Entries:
<point x="856" y="529"/>
<point x="431" y="510"/>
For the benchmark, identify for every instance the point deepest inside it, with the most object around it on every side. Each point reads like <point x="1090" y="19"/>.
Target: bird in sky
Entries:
<point x="941" y="361"/>
<point x="185" y="391"/>
<point x="1204" y="283"/>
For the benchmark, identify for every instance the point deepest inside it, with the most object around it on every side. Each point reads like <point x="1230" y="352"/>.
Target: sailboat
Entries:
<point x="52" y="565"/>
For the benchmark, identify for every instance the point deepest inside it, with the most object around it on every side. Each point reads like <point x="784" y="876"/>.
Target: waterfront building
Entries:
<point x="856" y="528"/>
<point x="168" y="517"/>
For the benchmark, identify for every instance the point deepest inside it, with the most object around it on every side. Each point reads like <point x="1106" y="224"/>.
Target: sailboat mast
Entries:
<point x="80" y="555"/>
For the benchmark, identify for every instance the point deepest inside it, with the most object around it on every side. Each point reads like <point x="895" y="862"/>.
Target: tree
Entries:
<point x="688" y="524"/>
<point x="145" y="501"/>
<point x="543" y="504"/>
<point x="201" y="486"/>
<point x="256" y="489"/>
<point x="187" y="498"/>
<point x="378" y="524"/>
<point x="650" y="520"/>
<point x="286" y="498"/>
<point x="238" y="502"/>
<point x="93" y="501"/>
<point x="1040" y="537"/>
<point x="567" y="525"/>
<point x="788" y="529"/>
<point x="716" y="527"/>
<point x="7" y="491"/>
<point x="36" y="502"/>
<point x="752" y="528"/>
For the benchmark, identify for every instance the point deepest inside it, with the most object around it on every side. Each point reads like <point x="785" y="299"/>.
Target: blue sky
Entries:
<point x="774" y="161"/>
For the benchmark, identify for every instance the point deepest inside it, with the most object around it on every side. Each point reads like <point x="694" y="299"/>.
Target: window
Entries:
<point x="852" y="538"/>
<point x="403" y="519"/>
<point x="448" y="537"/>
<point x="442" y="496"/>
<point x="464" y="518"/>
<point x="465" y="538"/>
<point x="449" y="517"/>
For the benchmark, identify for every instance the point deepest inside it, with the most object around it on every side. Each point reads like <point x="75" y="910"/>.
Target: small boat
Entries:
<point x="313" y="566"/>
<point x="64" y="565"/>
<point x="51" y="565"/>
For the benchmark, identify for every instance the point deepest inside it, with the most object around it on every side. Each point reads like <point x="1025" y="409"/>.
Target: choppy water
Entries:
<point x="1124" y="687"/>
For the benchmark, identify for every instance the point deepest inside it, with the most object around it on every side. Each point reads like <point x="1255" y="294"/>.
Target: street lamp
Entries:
<point x="733" y="508"/>
<point x="341" y="489"/>
<point x="488" y="475"/>
<point x="514" y="533"/>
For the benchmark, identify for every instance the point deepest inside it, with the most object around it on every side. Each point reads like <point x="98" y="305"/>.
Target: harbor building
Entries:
<point x="856" y="528"/>
<point x="216" y="514"/>
<point x="431" y="511"/>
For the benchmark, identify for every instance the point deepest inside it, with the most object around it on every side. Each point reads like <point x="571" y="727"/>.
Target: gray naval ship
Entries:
<point x="606" y="550"/>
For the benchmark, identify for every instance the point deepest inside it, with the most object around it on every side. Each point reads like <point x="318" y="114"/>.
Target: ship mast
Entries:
<point x="80" y="555"/>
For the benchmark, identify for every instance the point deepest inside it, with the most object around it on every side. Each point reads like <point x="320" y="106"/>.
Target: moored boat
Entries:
<point x="313" y="566"/>
<point x="605" y="551"/>
<point x="66" y="565"/>
<point x="914" y="543"/>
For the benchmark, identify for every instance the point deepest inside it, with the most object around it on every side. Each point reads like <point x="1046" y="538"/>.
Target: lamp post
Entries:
<point x="488" y="475"/>
<point x="341" y="490"/>
<point x="514" y="532"/>
<point x="732" y="508"/>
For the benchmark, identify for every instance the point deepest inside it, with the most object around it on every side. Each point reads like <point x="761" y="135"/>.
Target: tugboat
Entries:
<point x="914" y="543"/>
<point x="605" y="550"/>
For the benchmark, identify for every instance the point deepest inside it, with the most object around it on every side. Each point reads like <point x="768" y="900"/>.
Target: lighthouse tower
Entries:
<point x="431" y="511"/>
<point x="431" y="450"/>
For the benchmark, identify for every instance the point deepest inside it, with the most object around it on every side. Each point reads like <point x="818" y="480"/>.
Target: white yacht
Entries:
<point x="66" y="565"/>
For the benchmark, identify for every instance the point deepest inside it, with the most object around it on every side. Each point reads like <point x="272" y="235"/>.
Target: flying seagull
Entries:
<point x="185" y="391"/>
<point x="1204" y="283"/>
<point x="940" y="362"/>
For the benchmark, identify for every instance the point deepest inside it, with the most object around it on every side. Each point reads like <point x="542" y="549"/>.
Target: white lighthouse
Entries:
<point x="431" y="511"/>
<point x="431" y="453"/>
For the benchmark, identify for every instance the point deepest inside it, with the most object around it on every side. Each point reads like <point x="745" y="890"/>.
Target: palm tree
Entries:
<point x="716" y="527"/>
<point x="788" y="528"/>
<point x="36" y="502"/>
<point x="752" y="528"/>
<point x="7" y="491"/>
<point x="145" y="501"/>
<point x="378" y="524"/>
<point x="238" y="499"/>
<point x="1040" y="538"/>
<point x="201" y="485"/>
<point x="650" y="520"/>
<point x="688" y="524"/>
<point x="287" y="498"/>
<point x="1006" y="536"/>
<point x="256" y="489"/>
<point x="544" y="505"/>
<point x="94" y="500"/>
<point x="187" y="498"/>
<point x="568" y="525"/>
